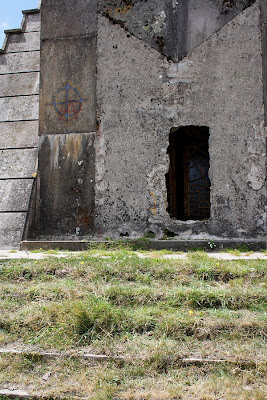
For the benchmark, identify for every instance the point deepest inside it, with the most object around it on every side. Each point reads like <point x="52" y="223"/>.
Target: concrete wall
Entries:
<point x="141" y="97"/>
<point x="19" y="103"/>
<point x="264" y="54"/>
<point x="172" y="27"/>
<point x="67" y="123"/>
<point x="143" y="68"/>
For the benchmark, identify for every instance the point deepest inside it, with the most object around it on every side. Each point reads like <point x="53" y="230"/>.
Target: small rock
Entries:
<point x="46" y="376"/>
<point x="61" y="272"/>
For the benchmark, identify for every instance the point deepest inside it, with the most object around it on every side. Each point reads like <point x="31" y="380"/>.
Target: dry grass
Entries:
<point x="153" y="379"/>
<point x="151" y="311"/>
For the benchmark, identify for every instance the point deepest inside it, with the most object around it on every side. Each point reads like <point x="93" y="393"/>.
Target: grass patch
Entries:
<point x="152" y="311"/>
<point x="159" y="377"/>
<point x="123" y="244"/>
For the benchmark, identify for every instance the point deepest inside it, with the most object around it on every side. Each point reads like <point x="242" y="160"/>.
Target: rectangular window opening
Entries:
<point x="188" y="184"/>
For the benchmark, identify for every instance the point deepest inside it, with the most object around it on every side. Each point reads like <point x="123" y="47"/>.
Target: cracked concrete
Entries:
<point x="141" y="96"/>
<point x="145" y="68"/>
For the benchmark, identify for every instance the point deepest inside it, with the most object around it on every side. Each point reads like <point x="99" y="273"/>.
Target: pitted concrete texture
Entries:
<point x="224" y="75"/>
<point x="18" y="42"/>
<point x="11" y="229"/>
<point x="264" y="11"/>
<point x="15" y="194"/>
<point x="153" y="21"/>
<point x="128" y="141"/>
<point x="218" y="83"/>
<point x="65" y="18"/>
<point x="18" y="85"/>
<point x="19" y="112"/>
<point x="141" y="97"/>
<point x="201" y="19"/>
<point x="264" y="52"/>
<point x="19" y="62"/>
<point x="66" y="174"/>
<point x="19" y="108"/>
<point x="18" y="134"/>
<point x="67" y="122"/>
<point x="174" y="28"/>
<point x="33" y="22"/>
<point x="17" y="163"/>
<point x="73" y="64"/>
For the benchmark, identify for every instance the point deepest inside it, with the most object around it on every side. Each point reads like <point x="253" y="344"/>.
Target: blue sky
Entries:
<point x="11" y="16"/>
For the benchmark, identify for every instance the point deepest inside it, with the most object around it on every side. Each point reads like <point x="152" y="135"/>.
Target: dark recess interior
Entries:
<point x="188" y="184"/>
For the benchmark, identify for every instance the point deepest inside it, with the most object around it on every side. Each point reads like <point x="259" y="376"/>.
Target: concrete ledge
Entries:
<point x="31" y="11"/>
<point x="16" y="30"/>
<point x="176" y="245"/>
<point x="215" y="245"/>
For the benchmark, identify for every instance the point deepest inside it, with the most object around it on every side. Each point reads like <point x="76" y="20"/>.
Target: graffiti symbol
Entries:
<point x="68" y="103"/>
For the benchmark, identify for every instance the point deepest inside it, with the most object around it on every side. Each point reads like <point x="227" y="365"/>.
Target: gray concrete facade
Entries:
<point x="172" y="27"/>
<point x="19" y="113"/>
<point x="264" y="53"/>
<point x="117" y="78"/>
<point x="67" y="122"/>
<point x="66" y="163"/>
<point x="141" y="97"/>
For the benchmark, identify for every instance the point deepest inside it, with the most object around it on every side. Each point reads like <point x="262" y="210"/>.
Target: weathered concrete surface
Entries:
<point x="65" y="18"/>
<point x="67" y="121"/>
<point x="19" y="62"/>
<point x="153" y="21"/>
<point x="21" y="57"/>
<point x="66" y="178"/>
<point x="174" y="28"/>
<point x="19" y="108"/>
<point x="19" y="84"/>
<point x="11" y="228"/>
<point x="18" y="42"/>
<point x="175" y="245"/>
<point x="141" y="97"/>
<point x="15" y="195"/>
<point x="263" y="6"/>
<point x="17" y="163"/>
<point x="199" y="20"/>
<point x="225" y="93"/>
<point x="131" y="137"/>
<point x="264" y="54"/>
<point x="18" y="134"/>
<point x="33" y="23"/>
<point x="72" y="61"/>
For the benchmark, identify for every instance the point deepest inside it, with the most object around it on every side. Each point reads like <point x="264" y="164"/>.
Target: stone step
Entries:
<point x="153" y="244"/>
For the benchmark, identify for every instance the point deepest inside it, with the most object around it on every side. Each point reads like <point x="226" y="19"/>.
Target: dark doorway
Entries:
<point x="188" y="184"/>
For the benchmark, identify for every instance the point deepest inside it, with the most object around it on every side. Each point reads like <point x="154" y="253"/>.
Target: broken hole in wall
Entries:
<point x="187" y="181"/>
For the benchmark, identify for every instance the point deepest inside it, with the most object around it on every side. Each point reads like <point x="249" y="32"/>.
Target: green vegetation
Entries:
<point x="151" y="311"/>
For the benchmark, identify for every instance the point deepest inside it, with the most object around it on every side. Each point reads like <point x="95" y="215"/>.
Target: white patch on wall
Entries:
<point x="256" y="177"/>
